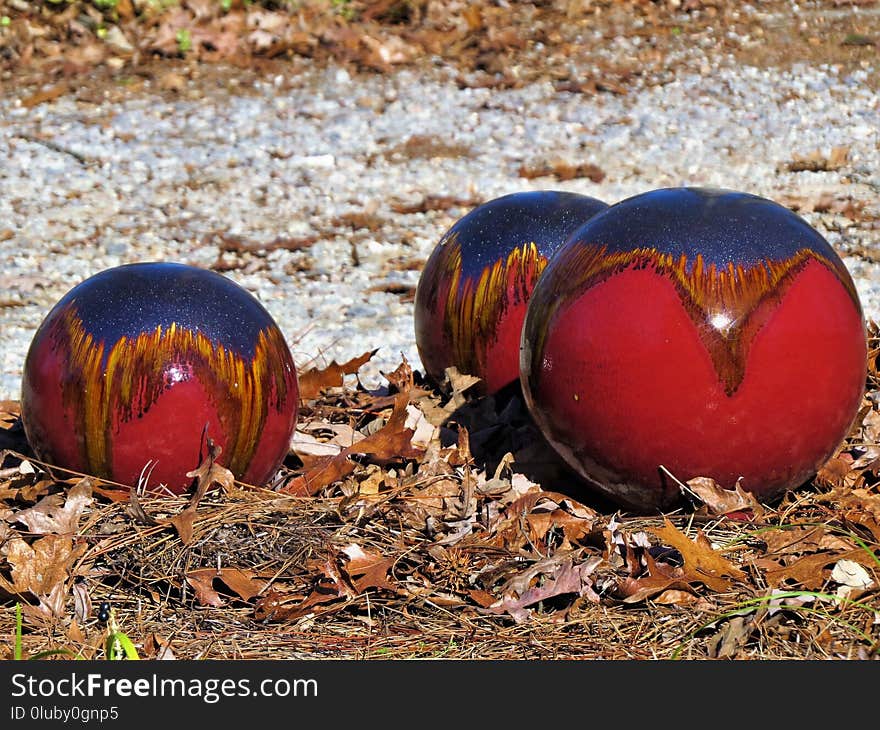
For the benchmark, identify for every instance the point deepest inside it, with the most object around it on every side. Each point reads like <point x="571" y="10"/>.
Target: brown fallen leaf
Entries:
<point x="435" y="202"/>
<point x="673" y="597"/>
<point x="721" y="501"/>
<point x="835" y="471"/>
<point x="47" y="94"/>
<point x="243" y="583"/>
<point x="566" y="578"/>
<point x="202" y="582"/>
<point x="732" y="637"/>
<point x="562" y="170"/>
<point x="860" y="506"/>
<point x="816" y="161"/>
<point x="811" y="571"/>
<point x="54" y="514"/>
<point x="661" y="578"/>
<point x="392" y="442"/>
<point x="802" y="539"/>
<point x="10" y="413"/>
<point x="155" y="647"/>
<point x="276" y="606"/>
<point x="207" y="474"/>
<point x="367" y="569"/>
<point x="314" y="380"/>
<point x="41" y="569"/>
<point x="82" y="602"/>
<point x="701" y="561"/>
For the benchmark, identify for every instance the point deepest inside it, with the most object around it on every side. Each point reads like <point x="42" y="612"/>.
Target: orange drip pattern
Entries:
<point x="473" y="306"/>
<point x="722" y="302"/>
<point x="104" y="386"/>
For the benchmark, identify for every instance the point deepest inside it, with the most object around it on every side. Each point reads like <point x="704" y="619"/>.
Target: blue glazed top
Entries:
<point x="133" y="299"/>
<point x="545" y="217"/>
<point x="725" y="226"/>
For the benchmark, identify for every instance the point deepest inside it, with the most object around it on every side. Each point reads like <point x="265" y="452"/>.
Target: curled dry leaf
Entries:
<point x="243" y="583"/>
<point x="82" y="602"/>
<point x="41" y="569"/>
<point x="731" y="637"/>
<point x="202" y="582"/>
<point x="208" y="473"/>
<point x="701" y="564"/>
<point x="392" y="442"/>
<point x="155" y="647"/>
<point x="721" y="501"/>
<point x="850" y="574"/>
<point x="563" y="577"/>
<point x="836" y="472"/>
<point x="313" y="381"/>
<point x="811" y="571"/>
<point x="802" y="539"/>
<point x="56" y="515"/>
<point x="660" y="579"/>
<point x="211" y="472"/>
<point x="367" y="569"/>
<point x="860" y="506"/>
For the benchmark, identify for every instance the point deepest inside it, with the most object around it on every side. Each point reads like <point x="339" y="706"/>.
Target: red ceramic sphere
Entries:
<point x="710" y="332"/>
<point x="472" y="294"/>
<point x="141" y="364"/>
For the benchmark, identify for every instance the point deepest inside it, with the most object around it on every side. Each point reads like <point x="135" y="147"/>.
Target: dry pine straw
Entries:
<point x="452" y="551"/>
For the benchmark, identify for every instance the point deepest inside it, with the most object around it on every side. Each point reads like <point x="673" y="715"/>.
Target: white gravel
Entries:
<point x="163" y="178"/>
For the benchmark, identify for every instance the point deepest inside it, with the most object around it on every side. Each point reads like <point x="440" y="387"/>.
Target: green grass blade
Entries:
<point x="17" y="651"/>
<point x="124" y="642"/>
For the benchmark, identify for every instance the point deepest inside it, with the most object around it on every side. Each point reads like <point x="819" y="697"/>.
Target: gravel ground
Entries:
<point x="293" y="185"/>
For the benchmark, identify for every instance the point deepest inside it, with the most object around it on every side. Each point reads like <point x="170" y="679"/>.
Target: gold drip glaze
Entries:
<point x="473" y="306"/>
<point x="722" y="302"/>
<point x="136" y="371"/>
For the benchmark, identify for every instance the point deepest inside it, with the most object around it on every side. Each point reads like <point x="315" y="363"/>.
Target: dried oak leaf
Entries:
<point x="541" y="511"/>
<point x="555" y="511"/>
<point x="241" y="582"/>
<point x="314" y="380"/>
<point x="56" y="515"/>
<point x="811" y="571"/>
<point x="203" y="585"/>
<point x="702" y="563"/>
<point x="801" y="539"/>
<point x="732" y="637"/>
<point x="566" y="578"/>
<point x="859" y="506"/>
<point x="366" y="569"/>
<point x="391" y="442"/>
<point x="661" y="579"/>
<point x="41" y="569"/>
<point x="275" y="606"/>
<point x="837" y="471"/>
<point x="721" y="501"/>
<point x="208" y="473"/>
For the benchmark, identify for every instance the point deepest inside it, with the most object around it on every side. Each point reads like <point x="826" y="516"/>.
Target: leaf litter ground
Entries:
<point x="425" y="522"/>
<point x="414" y="521"/>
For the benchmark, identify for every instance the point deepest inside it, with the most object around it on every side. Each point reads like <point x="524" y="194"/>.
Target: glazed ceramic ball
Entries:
<point x="472" y="294"/>
<point x="710" y="332"/>
<point x="144" y="362"/>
